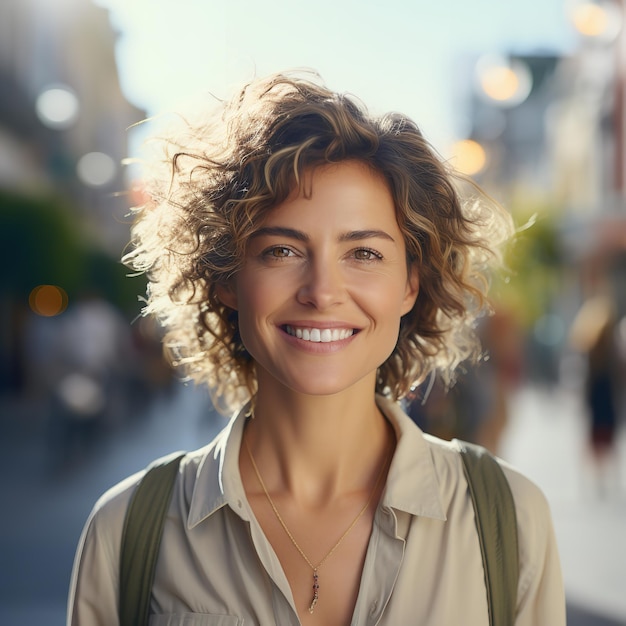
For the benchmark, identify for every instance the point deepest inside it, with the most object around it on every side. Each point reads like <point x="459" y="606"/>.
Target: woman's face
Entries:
<point x="324" y="283"/>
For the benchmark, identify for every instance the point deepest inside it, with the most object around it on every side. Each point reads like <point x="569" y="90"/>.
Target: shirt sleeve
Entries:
<point x="540" y="594"/>
<point x="93" y="595"/>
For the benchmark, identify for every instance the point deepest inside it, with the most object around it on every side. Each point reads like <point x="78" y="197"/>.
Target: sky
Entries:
<point x="402" y="55"/>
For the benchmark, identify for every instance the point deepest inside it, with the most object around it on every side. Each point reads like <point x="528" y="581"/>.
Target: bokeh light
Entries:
<point x="596" y="20"/>
<point x="48" y="300"/>
<point x="96" y="169"/>
<point x="469" y="157"/>
<point x="57" y="107"/>
<point x="82" y="394"/>
<point x="504" y="82"/>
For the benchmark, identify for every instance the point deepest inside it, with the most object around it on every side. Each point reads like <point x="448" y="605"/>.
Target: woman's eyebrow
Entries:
<point x="358" y="235"/>
<point x="292" y="233"/>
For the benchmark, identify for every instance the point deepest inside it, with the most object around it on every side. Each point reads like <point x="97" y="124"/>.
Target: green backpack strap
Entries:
<point x="496" y="523"/>
<point x="141" y="538"/>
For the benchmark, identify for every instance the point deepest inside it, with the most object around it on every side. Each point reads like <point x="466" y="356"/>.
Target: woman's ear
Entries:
<point x="227" y="295"/>
<point x="412" y="289"/>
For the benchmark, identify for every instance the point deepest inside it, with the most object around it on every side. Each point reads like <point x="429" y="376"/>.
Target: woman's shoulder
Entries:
<point x="536" y="541"/>
<point x="529" y="499"/>
<point x="535" y="530"/>
<point x="109" y="510"/>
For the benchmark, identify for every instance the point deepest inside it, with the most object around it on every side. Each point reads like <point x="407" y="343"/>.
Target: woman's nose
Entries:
<point x="322" y="286"/>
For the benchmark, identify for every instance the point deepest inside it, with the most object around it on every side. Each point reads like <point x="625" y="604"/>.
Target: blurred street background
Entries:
<point x="529" y="99"/>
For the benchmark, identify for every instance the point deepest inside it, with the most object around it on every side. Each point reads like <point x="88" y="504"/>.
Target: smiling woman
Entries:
<point x="230" y="168"/>
<point x="312" y="263"/>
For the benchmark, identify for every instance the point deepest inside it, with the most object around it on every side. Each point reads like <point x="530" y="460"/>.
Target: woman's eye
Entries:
<point x="278" y="252"/>
<point x="365" y="254"/>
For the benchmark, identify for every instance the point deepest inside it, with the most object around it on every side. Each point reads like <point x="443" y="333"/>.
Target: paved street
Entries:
<point x="545" y="438"/>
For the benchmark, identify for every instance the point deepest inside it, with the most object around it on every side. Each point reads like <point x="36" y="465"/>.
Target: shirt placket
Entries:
<point x="380" y="572"/>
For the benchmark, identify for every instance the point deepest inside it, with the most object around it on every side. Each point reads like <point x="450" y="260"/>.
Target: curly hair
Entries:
<point x="213" y="181"/>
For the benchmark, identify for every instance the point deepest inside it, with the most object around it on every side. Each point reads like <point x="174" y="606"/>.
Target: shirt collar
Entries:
<point x="218" y="480"/>
<point x="411" y="483"/>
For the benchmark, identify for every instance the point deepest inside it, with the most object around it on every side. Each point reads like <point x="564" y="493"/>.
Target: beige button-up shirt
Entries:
<point x="423" y="563"/>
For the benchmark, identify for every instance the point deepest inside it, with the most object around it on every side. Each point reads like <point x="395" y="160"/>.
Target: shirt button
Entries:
<point x="239" y="503"/>
<point x="373" y="607"/>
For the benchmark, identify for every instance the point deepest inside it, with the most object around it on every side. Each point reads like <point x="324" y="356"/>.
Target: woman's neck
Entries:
<point x="317" y="447"/>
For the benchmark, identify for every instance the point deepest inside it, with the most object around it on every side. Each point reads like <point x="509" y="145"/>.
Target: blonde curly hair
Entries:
<point x="212" y="182"/>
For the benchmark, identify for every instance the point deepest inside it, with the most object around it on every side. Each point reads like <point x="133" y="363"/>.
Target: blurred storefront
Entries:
<point x="548" y="140"/>
<point x="63" y="200"/>
<point x="544" y="133"/>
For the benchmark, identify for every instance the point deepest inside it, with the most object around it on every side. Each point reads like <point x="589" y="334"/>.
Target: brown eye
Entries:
<point x="279" y="252"/>
<point x="365" y="254"/>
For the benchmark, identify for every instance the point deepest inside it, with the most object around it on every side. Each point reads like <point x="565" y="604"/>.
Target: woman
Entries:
<point x="313" y="263"/>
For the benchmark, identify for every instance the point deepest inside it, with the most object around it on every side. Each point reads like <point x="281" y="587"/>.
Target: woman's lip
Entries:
<point x="318" y="324"/>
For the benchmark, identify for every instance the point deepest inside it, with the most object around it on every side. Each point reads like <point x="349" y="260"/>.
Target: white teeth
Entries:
<point x="316" y="335"/>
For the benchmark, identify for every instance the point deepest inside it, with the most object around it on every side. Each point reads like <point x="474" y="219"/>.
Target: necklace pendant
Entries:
<point x="316" y="589"/>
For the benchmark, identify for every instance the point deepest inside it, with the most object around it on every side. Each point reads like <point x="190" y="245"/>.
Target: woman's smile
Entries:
<point x="319" y="335"/>
<point x="318" y="340"/>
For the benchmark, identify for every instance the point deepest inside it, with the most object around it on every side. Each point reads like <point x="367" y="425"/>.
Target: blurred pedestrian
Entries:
<point x="79" y="361"/>
<point x="476" y="408"/>
<point x="594" y="334"/>
<point x="312" y="264"/>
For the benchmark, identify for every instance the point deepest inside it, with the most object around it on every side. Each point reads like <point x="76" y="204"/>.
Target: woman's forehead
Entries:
<point x="344" y="184"/>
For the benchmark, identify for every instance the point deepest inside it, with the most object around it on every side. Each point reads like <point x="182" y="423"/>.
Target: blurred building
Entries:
<point x="63" y="137"/>
<point x="63" y="117"/>
<point x="545" y="133"/>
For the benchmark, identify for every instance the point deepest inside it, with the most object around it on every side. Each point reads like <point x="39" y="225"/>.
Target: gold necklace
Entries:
<point x="315" y="568"/>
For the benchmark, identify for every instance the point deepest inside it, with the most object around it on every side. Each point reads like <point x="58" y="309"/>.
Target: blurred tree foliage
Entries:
<point x="533" y="265"/>
<point x="39" y="244"/>
<point x="42" y="242"/>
